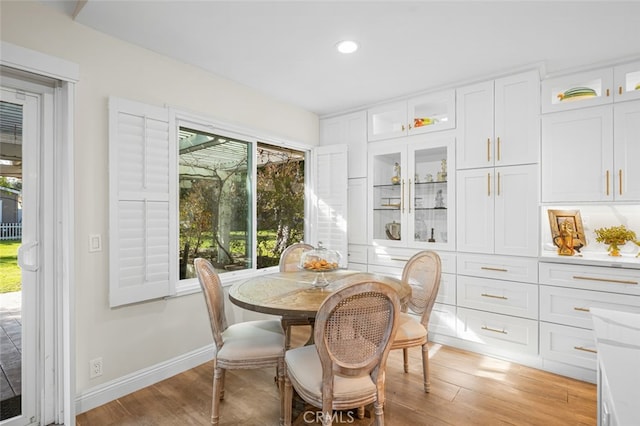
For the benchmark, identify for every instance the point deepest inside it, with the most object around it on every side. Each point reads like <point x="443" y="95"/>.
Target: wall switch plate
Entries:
<point x="95" y="243"/>
<point x="95" y="368"/>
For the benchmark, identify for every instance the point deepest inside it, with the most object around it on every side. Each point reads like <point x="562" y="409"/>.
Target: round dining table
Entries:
<point x="291" y="295"/>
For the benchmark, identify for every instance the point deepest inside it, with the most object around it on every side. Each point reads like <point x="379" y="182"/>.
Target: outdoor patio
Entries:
<point x="10" y="353"/>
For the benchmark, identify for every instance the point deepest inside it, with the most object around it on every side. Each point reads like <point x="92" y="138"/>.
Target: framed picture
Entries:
<point x="556" y="221"/>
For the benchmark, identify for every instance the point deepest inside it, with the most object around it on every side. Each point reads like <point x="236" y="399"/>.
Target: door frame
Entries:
<point x="57" y="312"/>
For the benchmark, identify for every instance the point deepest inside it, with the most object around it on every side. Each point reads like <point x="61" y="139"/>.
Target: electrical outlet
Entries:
<point x="95" y="368"/>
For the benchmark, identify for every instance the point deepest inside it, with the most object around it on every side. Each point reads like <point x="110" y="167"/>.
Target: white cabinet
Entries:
<point x="567" y="294"/>
<point x="589" y="154"/>
<point x="591" y="88"/>
<point x="499" y="122"/>
<point x="411" y="192"/>
<point x="421" y="114"/>
<point x="351" y="130"/>
<point x="498" y="210"/>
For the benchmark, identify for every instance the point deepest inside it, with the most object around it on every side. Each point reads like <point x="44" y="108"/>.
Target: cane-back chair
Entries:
<point x="422" y="271"/>
<point x="245" y="345"/>
<point x="344" y="369"/>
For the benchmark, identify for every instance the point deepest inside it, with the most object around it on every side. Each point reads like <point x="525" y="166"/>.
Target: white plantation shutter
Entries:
<point x="330" y="198"/>
<point x="140" y="217"/>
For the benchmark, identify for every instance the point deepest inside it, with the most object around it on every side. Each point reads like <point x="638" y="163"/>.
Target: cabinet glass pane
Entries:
<point x="576" y="91"/>
<point x="387" y="196"/>
<point x="430" y="113"/>
<point x="430" y="195"/>
<point x="632" y="81"/>
<point x="387" y="122"/>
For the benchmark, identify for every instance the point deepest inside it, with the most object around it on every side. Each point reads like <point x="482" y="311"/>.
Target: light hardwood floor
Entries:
<point x="466" y="389"/>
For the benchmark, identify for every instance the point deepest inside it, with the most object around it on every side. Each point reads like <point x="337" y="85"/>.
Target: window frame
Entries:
<point x="196" y="122"/>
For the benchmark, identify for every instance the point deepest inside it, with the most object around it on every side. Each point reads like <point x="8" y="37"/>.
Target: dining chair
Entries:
<point x="245" y="345"/>
<point x="289" y="261"/>
<point x="422" y="272"/>
<point x="344" y="369"/>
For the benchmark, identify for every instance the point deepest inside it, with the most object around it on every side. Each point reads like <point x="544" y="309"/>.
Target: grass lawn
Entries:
<point x="9" y="270"/>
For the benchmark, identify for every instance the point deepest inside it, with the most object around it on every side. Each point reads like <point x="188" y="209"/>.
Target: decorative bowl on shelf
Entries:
<point x="320" y="260"/>
<point x="576" y="93"/>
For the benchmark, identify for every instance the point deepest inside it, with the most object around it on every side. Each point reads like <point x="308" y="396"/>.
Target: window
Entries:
<point x="180" y="188"/>
<point x="216" y="196"/>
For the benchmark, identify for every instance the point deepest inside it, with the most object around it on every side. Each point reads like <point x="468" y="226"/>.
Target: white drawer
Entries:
<point x="614" y="280"/>
<point x="524" y="269"/>
<point x="357" y="254"/>
<point x="503" y="297"/>
<point x="385" y="270"/>
<point x="391" y="256"/>
<point x="570" y="345"/>
<point x="362" y="267"/>
<point x="443" y="320"/>
<point x="570" y="306"/>
<point x="447" y="292"/>
<point x="501" y="331"/>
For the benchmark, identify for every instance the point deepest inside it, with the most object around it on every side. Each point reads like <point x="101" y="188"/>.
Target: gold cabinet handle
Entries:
<point x="495" y="330"/>
<point x="577" y="308"/>
<point x="606" y="280"/>
<point x="409" y="126"/>
<point x="402" y="196"/>
<point x="409" y="191"/>
<point x="488" y="149"/>
<point x="493" y="296"/>
<point x="607" y="179"/>
<point x="488" y="184"/>
<point x="582" y="348"/>
<point x="487" y="268"/>
<point x="620" y="181"/>
<point x="607" y="92"/>
<point x="619" y="90"/>
<point x="403" y="127"/>
<point x="498" y="185"/>
<point x="498" y="148"/>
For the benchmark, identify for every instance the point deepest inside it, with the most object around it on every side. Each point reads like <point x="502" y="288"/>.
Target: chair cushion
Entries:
<point x="252" y="340"/>
<point x="409" y="328"/>
<point x="304" y="369"/>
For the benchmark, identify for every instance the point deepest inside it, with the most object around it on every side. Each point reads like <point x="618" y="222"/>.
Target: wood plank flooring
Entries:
<point x="466" y="389"/>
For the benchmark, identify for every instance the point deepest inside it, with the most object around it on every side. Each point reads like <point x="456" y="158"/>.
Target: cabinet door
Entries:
<point x="474" y="106"/>
<point x="517" y="122"/>
<point x="577" y="155"/>
<point x="387" y="121"/>
<point x="579" y="90"/>
<point x="627" y="81"/>
<point x="516" y="210"/>
<point x="349" y="129"/>
<point x="430" y="191"/>
<point x="475" y="210"/>
<point x="432" y="112"/>
<point x="357" y="211"/>
<point x="387" y="195"/>
<point x="627" y="151"/>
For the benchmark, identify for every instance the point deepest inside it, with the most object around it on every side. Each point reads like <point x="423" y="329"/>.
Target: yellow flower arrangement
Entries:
<point x="615" y="236"/>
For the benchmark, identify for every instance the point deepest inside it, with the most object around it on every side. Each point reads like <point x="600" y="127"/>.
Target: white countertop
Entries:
<point x="618" y="344"/>
<point x="627" y="260"/>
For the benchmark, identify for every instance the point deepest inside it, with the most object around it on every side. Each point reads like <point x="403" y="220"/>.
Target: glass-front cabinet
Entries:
<point x="411" y="193"/>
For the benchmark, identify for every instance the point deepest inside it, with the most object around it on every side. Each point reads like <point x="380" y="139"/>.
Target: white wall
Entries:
<point x="134" y="337"/>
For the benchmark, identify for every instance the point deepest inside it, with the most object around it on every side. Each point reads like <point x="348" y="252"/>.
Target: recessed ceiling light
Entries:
<point x="347" y="46"/>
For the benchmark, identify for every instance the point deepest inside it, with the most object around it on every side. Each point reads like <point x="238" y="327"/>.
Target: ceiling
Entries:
<point x="286" y="49"/>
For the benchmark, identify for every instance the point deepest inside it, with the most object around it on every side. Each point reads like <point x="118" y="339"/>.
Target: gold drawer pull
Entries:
<point x="493" y="296"/>
<point x="486" y="268"/>
<point x="495" y="330"/>
<point x="576" y="308"/>
<point x="620" y="181"/>
<point x="488" y="149"/>
<point x="607" y="280"/>
<point x="399" y="259"/>
<point x="582" y="348"/>
<point x="619" y="90"/>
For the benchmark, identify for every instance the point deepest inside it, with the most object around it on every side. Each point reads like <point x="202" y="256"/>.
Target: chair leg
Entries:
<point x="405" y="358"/>
<point x="361" y="412"/>
<point x="379" y="413"/>
<point x="287" y="400"/>
<point x="425" y="367"/>
<point x="218" y="375"/>
<point x="222" y="380"/>
<point x="280" y="372"/>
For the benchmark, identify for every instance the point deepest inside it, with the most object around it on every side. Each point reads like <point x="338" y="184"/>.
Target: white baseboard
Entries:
<point x="125" y="385"/>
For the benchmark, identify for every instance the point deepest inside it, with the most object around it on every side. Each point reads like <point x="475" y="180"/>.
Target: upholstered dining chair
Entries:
<point x="422" y="271"/>
<point x="289" y="261"/>
<point x="344" y="369"/>
<point x="245" y="345"/>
